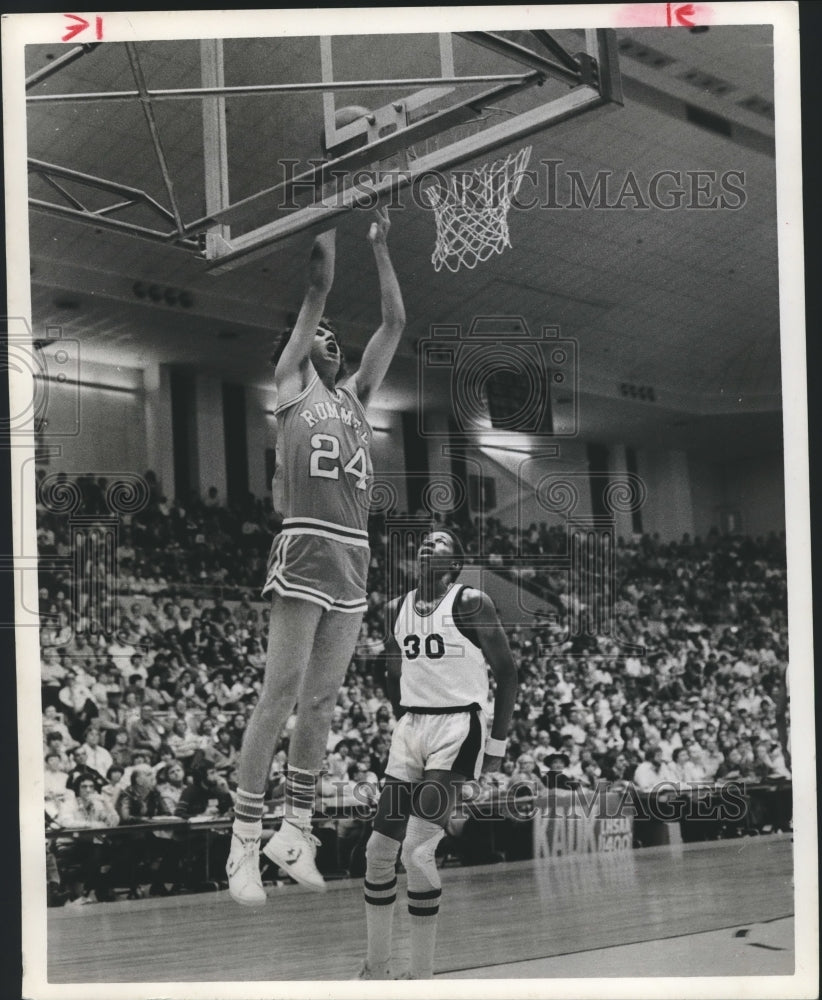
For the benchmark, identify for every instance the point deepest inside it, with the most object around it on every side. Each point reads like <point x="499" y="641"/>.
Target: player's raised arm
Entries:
<point x="483" y="618"/>
<point x="379" y="351"/>
<point x="289" y="374"/>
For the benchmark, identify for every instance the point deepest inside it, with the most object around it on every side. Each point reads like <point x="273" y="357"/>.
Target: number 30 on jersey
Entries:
<point x="325" y="460"/>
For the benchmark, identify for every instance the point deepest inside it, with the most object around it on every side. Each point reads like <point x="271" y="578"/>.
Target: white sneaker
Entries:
<point x="366" y="972"/>
<point x="293" y="849"/>
<point x="243" y="870"/>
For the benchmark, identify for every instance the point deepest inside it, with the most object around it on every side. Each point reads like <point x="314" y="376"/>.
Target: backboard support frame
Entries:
<point x="596" y="83"/>
<point x="390" y="131"/>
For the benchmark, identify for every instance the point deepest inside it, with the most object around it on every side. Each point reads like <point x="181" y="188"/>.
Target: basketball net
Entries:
<point x="471" y="210"/>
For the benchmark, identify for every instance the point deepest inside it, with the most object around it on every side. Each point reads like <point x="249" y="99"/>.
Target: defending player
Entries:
<point x="443" y="639"/>
<point x="317" y="567"/>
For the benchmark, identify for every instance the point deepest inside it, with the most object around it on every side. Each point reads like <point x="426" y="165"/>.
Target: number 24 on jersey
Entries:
<point x="325" y="455"/>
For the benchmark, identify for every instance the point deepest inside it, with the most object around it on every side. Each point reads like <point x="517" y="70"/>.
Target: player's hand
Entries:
<point x="378" y="233"/>
<point x="490" y="765"/>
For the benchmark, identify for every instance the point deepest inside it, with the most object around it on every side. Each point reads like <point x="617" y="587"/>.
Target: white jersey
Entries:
<point x="441" y="668"/>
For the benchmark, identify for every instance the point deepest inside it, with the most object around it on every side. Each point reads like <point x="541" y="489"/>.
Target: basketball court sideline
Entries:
<point x="570" y="916"/>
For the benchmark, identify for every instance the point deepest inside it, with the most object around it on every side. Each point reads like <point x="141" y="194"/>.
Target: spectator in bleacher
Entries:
<point x="121" y="651"/>
<point x="613" y="736"/>
<point x="206" y="735"/>
<point x="378" y="747"/>
<point x="81" y="769"/>
<point x="205" y="796"/>
<point x="55" y="779"/>
<point x="570" y="748"/>
<point x="87" y="857"/>
<point x="78" y="704"/>
<point x="139" y="621"/>
<point x="141" y="802"/>
<point x="559" y="772"/>
<point x="670" y="741"/>
<point x="129" y="711"/>
<point x="769" y="761"/>
<point x="164" y="757"/>
<point x="543" y="747"/>
<point x="653" y="771"/>
<point x="147" y="733"/>
<point x="87" y="808"/>
<point x="525" y="778"/>
<point x="242" y="685"/>
<point x="155" y="695"/>
<point x="171" y="782"/>
<point x="121" y="752"/>
<point x="573" y="727"/>
<point x="54" y="744"/>
<point x="617" y="769"/>
<point x="684" y="769"/>
<point x="733" y="767"/>
<point x="499" y="781"/>
<point x="590" y="773"/>
<point x="712" y="758"/>
<point x="137" y="670"/>
<point x="183" y="741"/>
<point x="54" y="722"/>
<point x="216" y="715"/>
<point x="224" y="755"/>
<point x="237" y="727"/>
<point x="97" y="757"/>
<point x="106" y="692"/>
<point x="53" y="676"/>
<point x="114" y="785"/>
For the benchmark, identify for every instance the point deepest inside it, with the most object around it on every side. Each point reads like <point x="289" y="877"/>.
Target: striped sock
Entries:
<point x="248" y="808"/>
<point x="299" y="795"/>
<point x="380" y="893"/>
<point x="423" y="908"/>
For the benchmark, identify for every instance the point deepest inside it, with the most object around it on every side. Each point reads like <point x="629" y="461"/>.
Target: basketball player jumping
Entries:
<point x="441" y="637"/>
<point x="317" y="567"/>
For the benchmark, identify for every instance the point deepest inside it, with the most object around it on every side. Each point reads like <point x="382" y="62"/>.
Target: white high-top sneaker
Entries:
<point x="294" y="848"/>
<point x="243" y="869"/>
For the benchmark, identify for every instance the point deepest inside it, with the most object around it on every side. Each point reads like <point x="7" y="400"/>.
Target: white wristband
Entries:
<point x="495" y="748"/>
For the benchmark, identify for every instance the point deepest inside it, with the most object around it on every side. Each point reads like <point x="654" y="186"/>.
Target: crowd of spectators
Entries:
<point x="144" y="722"/>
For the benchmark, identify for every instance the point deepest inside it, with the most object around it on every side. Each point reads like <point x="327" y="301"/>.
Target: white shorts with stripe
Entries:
<point x="318" y="569"/>
<point x="437" y="740"/>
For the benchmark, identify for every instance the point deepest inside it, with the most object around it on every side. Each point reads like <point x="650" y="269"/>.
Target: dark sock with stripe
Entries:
<point x="299" y="795"/>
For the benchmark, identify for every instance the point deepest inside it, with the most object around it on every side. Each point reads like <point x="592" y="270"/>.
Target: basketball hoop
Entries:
<point x="472" y="211"/>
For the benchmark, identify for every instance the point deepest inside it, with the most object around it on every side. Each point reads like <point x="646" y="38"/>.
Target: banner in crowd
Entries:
<point x="567" y="823"/>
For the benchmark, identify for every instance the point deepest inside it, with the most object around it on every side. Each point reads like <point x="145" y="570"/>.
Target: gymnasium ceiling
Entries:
<point x="684" y="301"/>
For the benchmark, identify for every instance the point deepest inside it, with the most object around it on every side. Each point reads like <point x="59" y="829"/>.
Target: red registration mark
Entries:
<point x="681" y="12"/>
<point x="79" y="24"/>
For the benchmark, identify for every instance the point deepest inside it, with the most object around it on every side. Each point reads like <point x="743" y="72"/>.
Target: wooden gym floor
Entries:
<point x="707" y="909"/>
